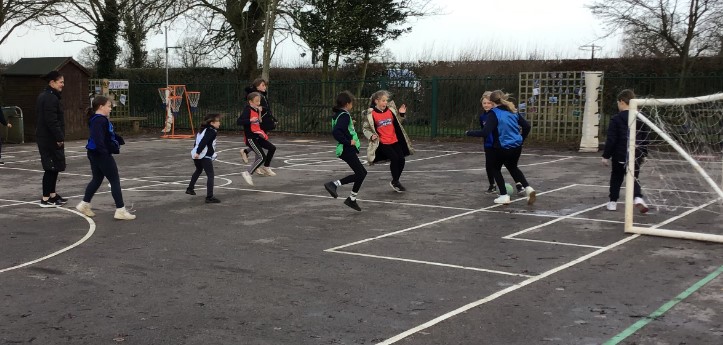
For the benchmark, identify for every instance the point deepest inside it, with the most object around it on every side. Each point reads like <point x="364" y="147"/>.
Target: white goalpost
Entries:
<point x="681" y="167"/>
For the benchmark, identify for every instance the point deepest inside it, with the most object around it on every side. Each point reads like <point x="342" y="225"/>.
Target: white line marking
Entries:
<point x="91" y="231"/>
<point x="560" y="243"/>
<point x="500" y="293"/>
<point x="429" y="263"/>
<point x="553" y="221"/>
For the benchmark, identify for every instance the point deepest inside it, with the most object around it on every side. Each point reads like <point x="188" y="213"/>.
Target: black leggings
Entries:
<point x="203" y="164"/>
<point x="396" y="159"/>
<point x="257" y="145"/>
<point x="104" y="166"/>
<point x="617" y="175"/>
<point x="488" y="165"/>
<point x="50" y="179"/>
<point x="349" y="155"/>
<point x="508" y="158"/>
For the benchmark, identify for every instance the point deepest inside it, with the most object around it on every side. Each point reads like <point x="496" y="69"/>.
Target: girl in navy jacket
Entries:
<point x="102" y="144"/>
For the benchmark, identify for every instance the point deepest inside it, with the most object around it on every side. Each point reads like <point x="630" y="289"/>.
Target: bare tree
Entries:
<point x="16" y="13"/>
<point x="270" y="19"/>
<point x="143" y="16"/>
<point x="689" y="28"/>
<point x="193" y="52"/>
<point x="88" y="57"/>
<point x="233" y="25"/>
<point x="156" y="58"/>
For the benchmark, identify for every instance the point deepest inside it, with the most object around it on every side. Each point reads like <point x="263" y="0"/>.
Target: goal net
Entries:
<point x="681" y="167"/>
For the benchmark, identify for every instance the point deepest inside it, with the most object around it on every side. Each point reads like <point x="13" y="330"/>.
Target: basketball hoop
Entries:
<point x="193" y="97"/>
<point x="162" y="93"/>
<point x="178" y="90"/>
<point x="175" y="104"/>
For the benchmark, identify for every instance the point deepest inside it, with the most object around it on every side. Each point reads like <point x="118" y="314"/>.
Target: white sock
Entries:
<point x="337" y="183"/>
<point x="352" y="196"/>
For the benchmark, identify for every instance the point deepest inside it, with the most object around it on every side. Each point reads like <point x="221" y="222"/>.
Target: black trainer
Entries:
<point x="397" y="186"/>
<point x="352" y="203"/>
<point x="60" y="199"/>
<point x="520" y="189"/>
<point x="50" y="203"/>
<point x="491" y="189"/>
<point x="190" y="191"/>
<point x="331" y="188"/>
<point x="212" y="200"/>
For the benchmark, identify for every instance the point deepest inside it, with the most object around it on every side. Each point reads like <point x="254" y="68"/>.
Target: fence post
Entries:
<point x="435" y="106"/>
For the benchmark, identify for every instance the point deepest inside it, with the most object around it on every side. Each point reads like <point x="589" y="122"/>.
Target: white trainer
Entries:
<point x="640" y="205"/>
<point x="85" y="209"/>
<point x="244" y="156"/>
<point x="247" y="178"/>
<point x="269" y="172"/>
<point x="123" y="214"/>
<point x="612" y="205"/>
<point x="531" y="195"/>
<point x="503" y="199"/>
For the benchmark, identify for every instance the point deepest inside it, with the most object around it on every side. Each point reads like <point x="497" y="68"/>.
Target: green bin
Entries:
<point x="15" y="135"/>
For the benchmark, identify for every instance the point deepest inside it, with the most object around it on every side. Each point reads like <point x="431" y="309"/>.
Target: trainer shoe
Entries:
<point x="612" y="205"/>
<point x="491" y="189"/>
<point x="397" y="186"/>
<point x="85" y="209"/>
<point x="331" y="188"/>
<point x="190" y="191"/>
<point x="50" y="203"/>
<point x="269" y="172"/>
<point x="244" y="156"/>
<point x="352" y="203"/>
<point x="520" y="189"/>
<point x="123" y="214"/>
<point x="261" y="171"/>
<point x="212" y="200"/>
<point x="2" y="162"/>
<point x="640" y="205"/>
<point x="59" y="198"/>
<point x="531" y="195"/>
<point x="247" y="178"/>
<point x="503" y="199"/>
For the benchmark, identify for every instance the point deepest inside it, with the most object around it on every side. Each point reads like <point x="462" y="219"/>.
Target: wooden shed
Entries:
<point x="23" y="83"/>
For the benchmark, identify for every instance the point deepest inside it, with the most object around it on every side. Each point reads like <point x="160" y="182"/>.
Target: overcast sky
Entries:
<point x="467" y="29"/>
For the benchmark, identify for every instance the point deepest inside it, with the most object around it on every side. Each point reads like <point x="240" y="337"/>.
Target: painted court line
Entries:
<point x="501" y="293"/>
<point x="556" y="243"/>
<point x="510" y="236"/>
<point x="663" y="309"/>
<point x="91" y="231"/>
<point x="432" y="263"/>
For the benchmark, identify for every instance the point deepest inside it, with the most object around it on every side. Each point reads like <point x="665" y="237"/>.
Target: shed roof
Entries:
<point x="41" y="66"/>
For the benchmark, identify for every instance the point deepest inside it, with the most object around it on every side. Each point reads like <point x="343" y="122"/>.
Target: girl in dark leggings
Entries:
<point x="504" y="124"/>
<point x="347" y="148"/>
<point x="203" y="154"/>
<point x="102" y="144"/>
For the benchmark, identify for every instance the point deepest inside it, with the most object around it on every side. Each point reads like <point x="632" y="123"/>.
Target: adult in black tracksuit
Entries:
<point x="4" y="123"/>
<point x="103" y="142"/>
<point x="50" y="137"/>
<point x="616" y="150"/>
<point x="268" y="121"/>
<point x="203" y="154"/>
<point x="347" y="148"/>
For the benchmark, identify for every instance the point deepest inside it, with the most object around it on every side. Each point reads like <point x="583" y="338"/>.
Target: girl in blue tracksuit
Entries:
<point x="203" y="154"/>
<point x="103" y="142"/>
<point x="488" y="144"/>
<point x="504" y="124"/>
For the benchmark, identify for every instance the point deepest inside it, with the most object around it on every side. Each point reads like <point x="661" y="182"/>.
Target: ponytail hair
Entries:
<point x="95" y="104"/>
<point x="499" y="98"/>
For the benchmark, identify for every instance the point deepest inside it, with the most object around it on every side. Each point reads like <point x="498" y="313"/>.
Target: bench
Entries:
<point x="134" y="120"/>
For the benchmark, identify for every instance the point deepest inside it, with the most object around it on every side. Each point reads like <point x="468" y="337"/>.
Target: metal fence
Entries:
<point x="437" y="107"/>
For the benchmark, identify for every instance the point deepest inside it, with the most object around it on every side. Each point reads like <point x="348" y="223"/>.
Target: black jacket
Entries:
<point x="2" y="118"/>
<point x="268" y="121"/>
<point x="50" y="124"/>
<point x="616" y="144"/>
